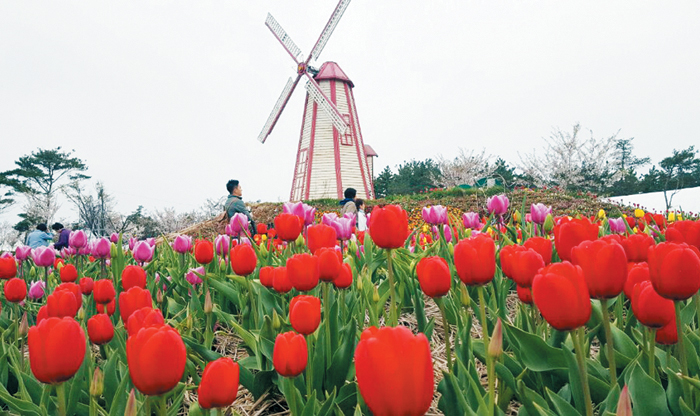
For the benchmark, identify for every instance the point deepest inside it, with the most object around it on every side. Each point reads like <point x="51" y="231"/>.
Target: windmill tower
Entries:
<point x="331" y="155"/>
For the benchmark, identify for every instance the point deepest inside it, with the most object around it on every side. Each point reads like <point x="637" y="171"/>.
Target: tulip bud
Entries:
<point x="276" y="323"/>
<point x="81" y="314"/>
<point x="32" y="273"/>
<point x="451" y="247"/>
<point x="352" y="247"/>
<point x="375" y="295"/>
<point x="24" y="325"/>
<point x="517" y="216"/>
<point x="131" y="408"/>
<point x="159" y="296"/>
<point x="299" y="242"/>
<point x="464" y="296"/>
<point x="360" y="285"/>
<point x="549" y="223"/>
<point x="263" y="249"/>
<point x="624" y="404"/>
<point x="496" y="342"/>
<point x="113" y="250"/>
<point x="223" y="265"/>
<point x="97" y="385"/>
<point x="208" y="307"/>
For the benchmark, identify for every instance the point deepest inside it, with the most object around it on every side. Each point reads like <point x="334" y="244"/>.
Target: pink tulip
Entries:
<point x="77" y="239"/>
<point x="497" y="205"/>
<point x="44" y="256"/>
<point x="182" y="244"/>
<point x="151" y="241"/>
<point x="343" y="227"/>
<point x="132" y="243"/>
<point x="239" y="224"/>
<point x="68" y="251"/>
<point x="617" y="225"/>
<point x="101" y="248"/>
<point x="143" y="252"/>
<point x="436" y="214"/>
<point x="539" y="212"/>
<point x="193" y="278"/>
<point x="294" y="208"/>
<point x="114" y="238"/>
<point x="222" y="243"/>
<point x="329" y="218"/>
<point x="36" y="290"/>
<point x="471" y="220"/>
<point x="309" y="214"/>
<point x="22" y="253"/>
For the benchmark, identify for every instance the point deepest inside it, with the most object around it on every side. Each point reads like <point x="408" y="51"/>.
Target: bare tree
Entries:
<point x="9" y="237"/>
<point x="94" y="211"/>
<point x="466" y="168"/>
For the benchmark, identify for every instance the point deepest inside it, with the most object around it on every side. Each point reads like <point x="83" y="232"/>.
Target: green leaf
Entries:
<point x="20" y="406"/>
<point x="325" y="410"/>
<point x="674" y="391"/>
<point x="262" y="382"/>
<point x="575" y="381"/>
<point x="111" y="379"/>
<point x="346" y="399"/>
<point x="248" y="338"/>
<point x="120" y="397"/>
<point x="685" y="409"/>
<point x="533" y="351"/>
<point x="201" y="350"/>
<point x="342" y="359"/>
<point x="648" y="396"/>
<point x="562" y="407"/>
<point x="451" y="398"/>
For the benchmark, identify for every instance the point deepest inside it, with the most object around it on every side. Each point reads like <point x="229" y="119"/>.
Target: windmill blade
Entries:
<point x="331" y="110"/>
<point x="283" y="37"/>
<point x="328" y="30"/>
<point x="277" y="109"/>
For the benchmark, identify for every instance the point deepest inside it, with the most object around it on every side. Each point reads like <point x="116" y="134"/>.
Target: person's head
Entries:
<point x="350" y="193"/>
<point x="234" y="187"/>
<point x="42" y="227"/>
<point x="57" y="226"/>
<point x="360" y="203"/>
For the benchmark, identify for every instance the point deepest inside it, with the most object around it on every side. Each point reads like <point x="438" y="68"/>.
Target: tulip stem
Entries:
<point x="327" y="323"/>
<point x="609" y="342"/>
<point x="489" y="360"/>
<point x="61" y="395"/>
<point x="163" y="406"/>
<point x="291" y="396"/>
<point x="446" y="326"/>
<point x="393" y="316"/>
<point x="577" y="336"/>
<point x="309" y="367"/>
<point x="652" y="358"/>
<point x="681" y="347"/>
<point x="696" y="300"/>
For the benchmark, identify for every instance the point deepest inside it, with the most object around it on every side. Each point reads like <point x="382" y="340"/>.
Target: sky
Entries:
<point x="164" y="100"/>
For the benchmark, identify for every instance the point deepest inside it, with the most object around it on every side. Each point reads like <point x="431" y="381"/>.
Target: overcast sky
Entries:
<point x="164" y="100"/>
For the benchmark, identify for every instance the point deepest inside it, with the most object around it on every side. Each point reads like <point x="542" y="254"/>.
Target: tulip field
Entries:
<point x="514" y="310"/>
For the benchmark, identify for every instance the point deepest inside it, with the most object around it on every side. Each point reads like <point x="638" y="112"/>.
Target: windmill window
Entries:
<point x="346" y="138"/>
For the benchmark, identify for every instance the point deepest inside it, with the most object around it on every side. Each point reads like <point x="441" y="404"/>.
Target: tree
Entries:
<point x="465" y="169"/>
<point x="678" y="172"/>
<point x="504" y="172"/>
<point x="41" y="172"/>
<point x="9" y="187"/>
<point x="625" y="161"/>
<point x="414" y="177"/>
<point x="94" y="212"/>
<point x="382" y="182"/>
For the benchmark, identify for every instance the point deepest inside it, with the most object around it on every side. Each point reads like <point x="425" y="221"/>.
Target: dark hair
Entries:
<point x="231" y="185"/>
<point x="350" y="193"/>
<point x="359" y="202"/>
<point x="57" y="226"/>
<point x="42" y="227"/>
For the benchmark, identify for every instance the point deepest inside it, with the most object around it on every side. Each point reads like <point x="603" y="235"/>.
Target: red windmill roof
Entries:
<point x="369" y="151"/>
<point x="331" y="70"/>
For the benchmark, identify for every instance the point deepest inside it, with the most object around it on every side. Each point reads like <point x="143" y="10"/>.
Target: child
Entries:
<point x="361" y="217"/>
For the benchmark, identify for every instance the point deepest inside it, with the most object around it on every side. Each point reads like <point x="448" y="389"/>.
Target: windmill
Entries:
<point x="331" y="155"/>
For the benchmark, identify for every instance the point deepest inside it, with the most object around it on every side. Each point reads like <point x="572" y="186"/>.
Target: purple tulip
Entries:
<point x="343" y="227"/>
<point x="114" y="238"/>
<point x="497" y="205"/>
<point x="238" y="225"/>
<point x="77" y="239"/>
<point x="36" y="290"/>
<point x="329" y="218"/>
<point x="44" y="256"/>
<point x="68" y="251"/>
<point x="182" y="244"/>
<point x="539" y="212"/>
<point x="222" y="243"/>
<point x="471" y="220"/>
<point x="22" y="253"/>
<point x="193" y="278"/>
<point x="436" y="214"/>
<point x="101" y="248"/>
<point x="309" y="214"/>
<point x="617" y="225"/>
<point x="132" y="243"/>
<point x="143" y="252"/>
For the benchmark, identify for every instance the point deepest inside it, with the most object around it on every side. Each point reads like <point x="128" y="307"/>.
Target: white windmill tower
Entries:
<point x="331" y="155"/>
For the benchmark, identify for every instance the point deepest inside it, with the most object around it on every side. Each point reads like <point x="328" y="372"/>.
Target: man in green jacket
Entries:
<point x="234" y="203"/>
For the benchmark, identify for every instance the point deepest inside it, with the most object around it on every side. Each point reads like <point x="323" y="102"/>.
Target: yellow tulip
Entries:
<point x="638" y="213"/>
<point x="601" y="214"/>
<point x="671" y="216"/>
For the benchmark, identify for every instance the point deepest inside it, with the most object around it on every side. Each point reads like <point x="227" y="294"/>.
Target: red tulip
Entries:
<point x="86" y="285"/>
<point x="156" y="358"/>
<point x="570" y="233"/>
<point x="524" y="294"/>
<point x="651" y="309"/>
<point x="204" y="251"/>
<point x="305" y="314"/>
<point x="56" y="349"/>
<point x="637" y="246"/>
<point x="344" y="279"/>
<point x="100" y="329"/>
<point x="280" y="281"/>
<point x="288" y="226"/>
<point x="506" y="256"/>
<point x="62" y="303"/>
<point x="68" y="273"/>
<point x="243" y="259"/>
<point x="266" y="275"/>
<point x="321" y="235"/>
<point x="133" y="300"/>
<point x="133" y="276"/>
<point x="604" y="265"/>
<point x="674" y="270"/>
<point x="144" y="318"/>
<point x="524" y="265"/>
<point x="475" y="260"/>
<point x="684" y="232"/>
<point x="668" y="335"/>
<point x="103" y="291"/>
<point x="329" y="262"/>
<point x="302" y="271"/>
<point x="636" y="273"/>
<point x="261" y="228"/>
<point x="434" y="276"/>
<point x="15" y="290"/>
<point x="541" y="245"/>
<point x="8" y="267"/>
<point x="219" y="385"/>
<point x="107" y="308"/>
<point x="42" y="314"/>
<point x="560" y="292"/>
<point x="394" y="371"/>
<point x="290" y="354"/>
<point x="388" y="226"/>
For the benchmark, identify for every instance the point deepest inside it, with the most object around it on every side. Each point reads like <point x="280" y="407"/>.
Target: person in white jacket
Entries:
<point x="361" y="217"/>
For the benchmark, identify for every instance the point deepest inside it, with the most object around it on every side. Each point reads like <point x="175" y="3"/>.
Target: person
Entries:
<point x="39" y="237"/>
<point x="63" y="235"/>
<point x="348" y="204"/>
<point x="361" y="216"/>
<point x="234" y="203"/>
